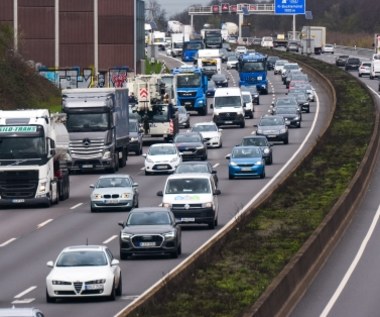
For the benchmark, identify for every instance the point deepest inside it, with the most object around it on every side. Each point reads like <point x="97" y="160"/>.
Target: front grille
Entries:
<point x="87" y="148"/>
<point x="108" y="196"/>
<point x="187" y="102"/>
<point x="190" y="206"/>
<point x="78" y="286"/>
<point x="228" y="115"/>
<point x="138" y="239"/>
<point x="18" y="184"/>
<point x="186" y="94"/>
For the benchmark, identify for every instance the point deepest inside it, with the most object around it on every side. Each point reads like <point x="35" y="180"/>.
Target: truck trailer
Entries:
<point x="34" y="158"/>
<point x="315" y="34"/>
<point x="97" y="122"/>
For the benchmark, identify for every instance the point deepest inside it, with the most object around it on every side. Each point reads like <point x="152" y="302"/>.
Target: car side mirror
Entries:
<point x="121" y="224"/>
<point x="115" y="262"/>
<point x="160" y="193"/>
<point x="228" y="156"/>
<point x="50" y="264"/>
<point x="144" y="155"/>
<point x="255" y="125"/>
<point x="92" y="186"/>
<point x="213" y="172"/>
<point x="135" y="185"/>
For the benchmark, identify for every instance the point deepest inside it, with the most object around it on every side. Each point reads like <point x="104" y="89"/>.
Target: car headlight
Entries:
<point x="167" y="205"/>
<point x="259" y="163"/>
<point x="97" y="196"/>
<point x="134" y="139"/>
<point x="208" y="205"/>
<point x="200" y="147"/>
<point x="174" y="159"/>
<point x="106" y="155"/>
<point x="56" y="282"/>
<point x="266" y="151"/>
<point x="100" y="281"/>
<point x="232" y="163"/>
<point x="169" y="235"/>
<point x="126" y="195"/>
<point x="297" y="118"/>
<point x="148" y="160"/>
<point x="42" y="188"/>
<point x="200" y="102"/>
<point x="126" y="235"/>
<point x="259" y="131"/>
<point x="283" y="130"/>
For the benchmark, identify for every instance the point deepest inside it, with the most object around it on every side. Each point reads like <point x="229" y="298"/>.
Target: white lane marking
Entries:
<point x="7" y="242"/>
<point x="76" y="206"/>
<point x="110" y="239"/>
<point x="216" y="165"/>
<point x="130" y="297"/>
<point x="353" y="265"/>
<point x="23" y="301"/>
<point x="28" y="290"/>
<point x="42" y="224"/>
<point x="142" y="168"/>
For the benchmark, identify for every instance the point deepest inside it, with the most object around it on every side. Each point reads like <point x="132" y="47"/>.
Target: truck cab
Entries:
<point x="253" y="71"/>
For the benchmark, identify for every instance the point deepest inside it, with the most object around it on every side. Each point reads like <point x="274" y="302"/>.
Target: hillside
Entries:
<point x="20" y="84"/>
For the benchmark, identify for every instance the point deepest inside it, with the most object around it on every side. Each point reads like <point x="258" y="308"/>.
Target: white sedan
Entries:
<point x="210" y="132"/>
<point x="84" y="271"/>
<point x="162" y="158"/>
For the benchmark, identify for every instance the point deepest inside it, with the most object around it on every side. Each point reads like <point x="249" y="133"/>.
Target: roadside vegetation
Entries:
<point x="261" y="245"/>
<point x="21" y="87"/>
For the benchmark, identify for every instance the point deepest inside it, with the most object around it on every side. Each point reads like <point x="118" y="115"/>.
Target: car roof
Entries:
<point x="19" y="312"/>
<point x="153" y="209"/>
<point x="204" y="123"/>
<point x="190" y="175"/>
<point x="162" y="144"/>
<point x="194" y="163"/>
<point x="255" y="137"/>
<point x="84" y="247"/>
<point x="114" y="176"/>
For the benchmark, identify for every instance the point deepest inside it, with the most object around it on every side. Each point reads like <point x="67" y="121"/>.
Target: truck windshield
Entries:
<point x="191" y="80"/>
<point x="193" y="46"/>
<point x="22" y="147"/>
<point x="249" y="67"/>
<point x="83" y="122"/>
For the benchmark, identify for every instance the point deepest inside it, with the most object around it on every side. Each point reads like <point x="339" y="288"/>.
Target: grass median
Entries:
<point x="262" y="244"/>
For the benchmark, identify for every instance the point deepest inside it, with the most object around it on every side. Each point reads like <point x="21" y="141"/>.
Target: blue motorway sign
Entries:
<point x="289" y="6"/>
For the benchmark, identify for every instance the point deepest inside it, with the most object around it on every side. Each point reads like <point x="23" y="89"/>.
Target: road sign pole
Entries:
<point x="294" y="27"/>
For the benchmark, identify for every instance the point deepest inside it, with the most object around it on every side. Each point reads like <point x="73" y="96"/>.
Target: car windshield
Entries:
<point x="162" y="150"/>
<point x="248" y="67"/>
<point x="247" y="97"/>
<point x="205" y="128"/>
<point x="227" y="101"/>
<point x="188" y="80"/>
<point x="82" y="258"/>
<point x="285" y="102"/>
<point x="113" y="182"/>
<point x="192" y="168"/>
<point x="254" y="141"/>
<point x="271" y="121"/>
<point x="188" y="186"/>
<point x="148" y="218"/>
<point x="187" y="138"/>
<point x="246" y="152"/>
<point x="286" y="110"/>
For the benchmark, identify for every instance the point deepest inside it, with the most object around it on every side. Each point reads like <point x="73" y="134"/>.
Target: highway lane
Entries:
<point x="22" y="261"/>
<point x="348" y="284"/>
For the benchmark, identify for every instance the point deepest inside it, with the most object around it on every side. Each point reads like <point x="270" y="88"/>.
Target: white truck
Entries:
<point x="155" y="106"/>
<point x="33" y="158"/>
<point x="159" y="39"/>
<point x="176" y="44"/>
<point x="375" y="66"/>
<point x="229" y="29"/>
<point x="210" y="61"/>
<point x="188" y="32"/>
<point x="315" y="34"/>
<point x="97" y="122"/>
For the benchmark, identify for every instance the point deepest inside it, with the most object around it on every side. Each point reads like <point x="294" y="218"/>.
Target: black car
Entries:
<point x="150" y="231"/>
<point x="220" y="80"/>
<point x="341" y="60"/>
<point x="291" y="115"/>
<point x="254" y="93"/>
<point x="135" y="137"/>
<point x="197" y="167"/>
<point x="262" y="142"/>
<point x="302" y="98"/>
<point x="352" y="63"/>
<point x="210" y="92"/>
<point x="271" y="60"/>
<point x="191" y="146"/>
<point x="274" y="128"/>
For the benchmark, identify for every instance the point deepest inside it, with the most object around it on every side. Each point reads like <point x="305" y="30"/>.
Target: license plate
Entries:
<point x="87" y="166"/>
<point x="17" y="201"/>
<point x="161" y="167"/>
<point x="272" y="136"/>
<point x="188" y="219"/>
<point x="111" y="201"/>
<point x="94" y="286"/>
<point x="147" y="244"/>
<point x="246" y="169"/>
<point x="287" y="122"/>
<point x="228" y="122"/>
<point x="187" y="152"/>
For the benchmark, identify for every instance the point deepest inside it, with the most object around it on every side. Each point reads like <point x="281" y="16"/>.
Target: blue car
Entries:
<point x="246" y="161"/>
<point x="210" y="92"/>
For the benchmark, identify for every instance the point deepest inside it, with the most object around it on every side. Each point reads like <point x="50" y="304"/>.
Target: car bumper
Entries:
<point x="111" y="204"/>
<point x="81" y="289"/>
<point x="275" y="137"/>
<point x="246" y="171"/>
<point x="24" y="202"/>
<point x="196" y="216"/>
<point x="160" y="168"/>
<point x="157" y="245"/>
<point x="229" y="121"/>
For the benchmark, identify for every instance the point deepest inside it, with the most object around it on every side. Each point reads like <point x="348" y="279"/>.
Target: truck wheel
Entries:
<point x="123" y="159"/>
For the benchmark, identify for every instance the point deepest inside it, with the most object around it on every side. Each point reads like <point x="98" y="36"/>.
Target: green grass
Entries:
<point x="235" y="276"/>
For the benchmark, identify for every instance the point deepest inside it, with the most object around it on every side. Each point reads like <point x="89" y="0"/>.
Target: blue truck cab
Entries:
<point x="253" y="71"/>
<point x="190" y="50"/>
<point x="191" y="85"/>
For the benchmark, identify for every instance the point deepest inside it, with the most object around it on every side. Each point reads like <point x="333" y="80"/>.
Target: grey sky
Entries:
<point x="175" y="6"/>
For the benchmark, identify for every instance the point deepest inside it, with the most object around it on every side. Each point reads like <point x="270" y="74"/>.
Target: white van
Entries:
<point x="228" y="107"/>
<point x="192" y="197"/>
<point x="267" y="41"/>
<point x="375" y="69"/>
<point x="248" y="103"/>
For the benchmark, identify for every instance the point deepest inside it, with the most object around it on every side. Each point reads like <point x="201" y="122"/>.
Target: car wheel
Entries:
<point x="119" y="289"/>
<point x="180" y="249"/>
<point x="124" y="255"/>
<point x="175" y="254"/>
<point x="147" y="173"/>
<point x="242" y="125"/>
<point x="286" y="141"/>
<point x="211" y="225"/>
<point x="360" y="75"/>
<point x="93" y="209"/>
<point x="230" y="176"/>
<point x="299" y="124"/>
<point x="251" y="116"/>
<point x="112" y="296"/>
<point x="137" y="203"/>
<point x="262" y="175"/>
<point x="49" y="299"/>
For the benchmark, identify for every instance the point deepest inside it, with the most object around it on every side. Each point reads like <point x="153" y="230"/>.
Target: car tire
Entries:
<point x="262" y="175"/>
<point x="93" y="209"/>
<point x="112" y="296"/>
<point x="175" y="253"/>
<point x="286" y="141"/>
<point x="124" y="255"/>
<point x="147" y="173"/>
<point x="360" y="75"/>
<point x="119" y="290"/>
<point x="211" y="225"/>
<point x="230" y="176"/>
<point x="270" y="160"/>
<point x="50" y="299"/>
<point x="299" y="125"/>
<point x="242" y="125"/>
